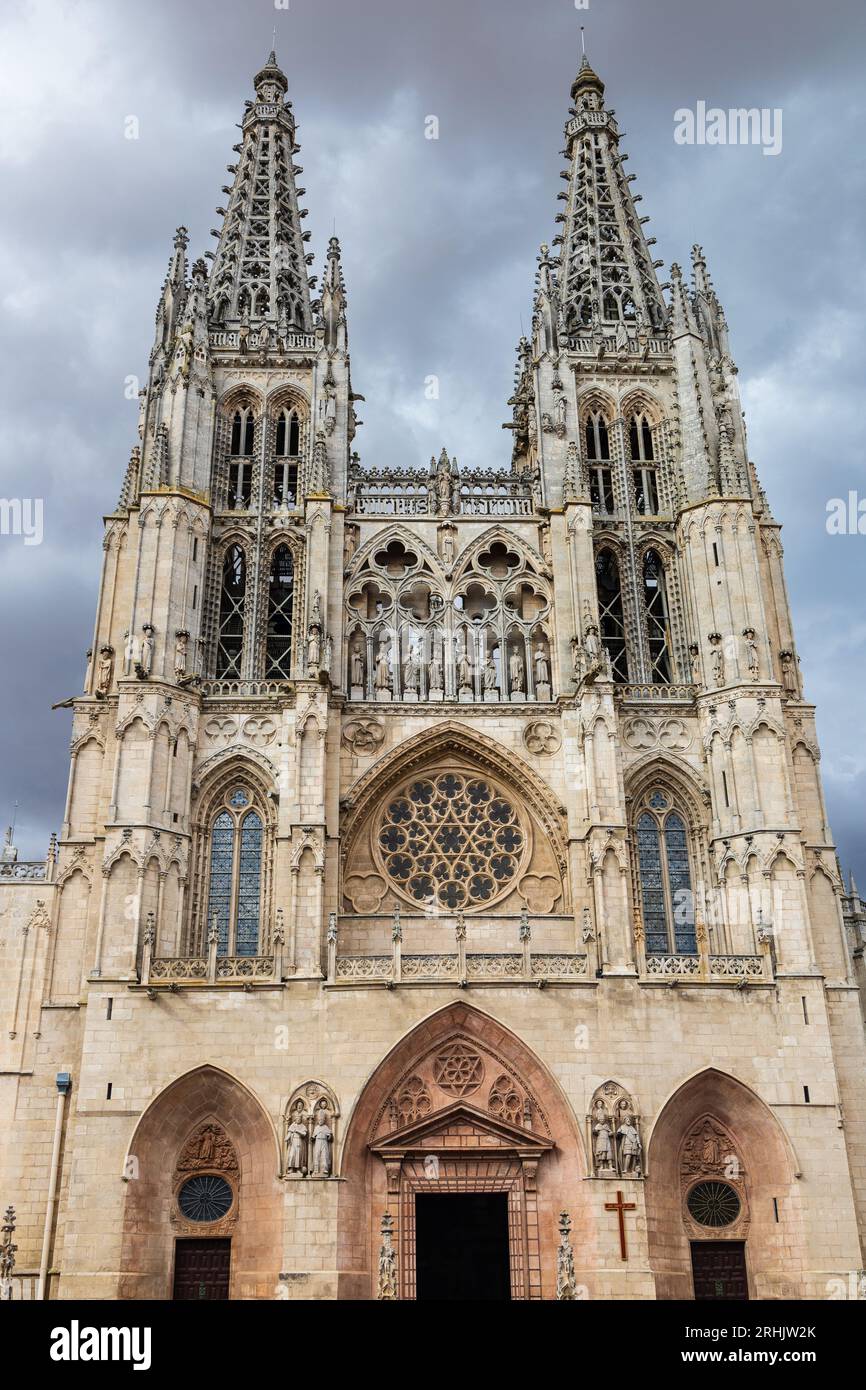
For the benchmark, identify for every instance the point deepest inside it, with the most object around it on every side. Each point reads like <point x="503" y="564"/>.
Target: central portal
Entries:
<point x="462" y="1246"/>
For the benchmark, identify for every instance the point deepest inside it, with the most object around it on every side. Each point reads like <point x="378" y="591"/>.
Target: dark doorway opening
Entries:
<point x="201" y="1269"/>
<point x="462" y="1246"/>
<point x="719" y="1270"/>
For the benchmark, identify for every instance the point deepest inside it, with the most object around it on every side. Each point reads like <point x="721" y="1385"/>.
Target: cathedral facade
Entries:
<point x="444" y="904"/>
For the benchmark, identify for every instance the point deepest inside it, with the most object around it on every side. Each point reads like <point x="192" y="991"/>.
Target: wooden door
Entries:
<point x="201" y="1269"/>
<point x="719" y="1270"/>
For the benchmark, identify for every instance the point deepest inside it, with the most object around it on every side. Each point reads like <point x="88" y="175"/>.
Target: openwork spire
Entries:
<point x="260" y="265"/>
<point x="606" y="274"/>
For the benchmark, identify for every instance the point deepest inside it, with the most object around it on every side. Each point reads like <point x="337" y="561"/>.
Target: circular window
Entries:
<point x="713" y="1204"/>
<point x="205" y="1198"/>
<point x="451" y="841"/>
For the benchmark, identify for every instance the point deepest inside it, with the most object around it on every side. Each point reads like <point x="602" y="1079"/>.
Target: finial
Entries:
<point x="582" y="43"/>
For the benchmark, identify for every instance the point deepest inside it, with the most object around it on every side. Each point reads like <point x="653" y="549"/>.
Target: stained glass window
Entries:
<point x="665" y="879"/>
<point x="249" y="886"/>
<point x="222" y="845"/>
<point x="713" y="1204"/>
<point x="205" y="1197"/>
<point x="235" y="879"/>
<point x="652" y="884"/>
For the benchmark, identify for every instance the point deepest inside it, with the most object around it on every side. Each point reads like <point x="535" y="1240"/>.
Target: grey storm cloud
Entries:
<point x="439" y="240"/>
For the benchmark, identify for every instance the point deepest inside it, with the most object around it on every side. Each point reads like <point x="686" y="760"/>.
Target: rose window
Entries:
<point x="452" y="841"/>
<point x="713" y="1204"/>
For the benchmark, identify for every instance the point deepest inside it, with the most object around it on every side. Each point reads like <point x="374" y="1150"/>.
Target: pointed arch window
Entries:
<point x="281" y="594"/>
<point x="643" y="466"/>
<point x="599" y="462"/>
<point x="612" y="629"/>
<point x="287" y="454"/>
<point x="230" y="640"/>
<point x="242" y="448"/>
<point x="656" y="616"/>
<point x="667" y="900"/>
<point x="235" y="875"/>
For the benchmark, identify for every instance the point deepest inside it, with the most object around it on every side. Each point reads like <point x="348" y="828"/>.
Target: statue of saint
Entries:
<point x="436" y="667"/>
<point x="145" y="657"/>
<point x="357" y="664"/>
<point x="314" y="648"/>
<point x="382" y="673"/>
<point x="490" y="678"/>
<point x="411" y="669"/>
<point x="515" y="671"/>
<point x="464" y="669"/>
<point x="601" y="1135"/>
<point x="182" y="638"/>
<point x="752" y="659"/>
<point x="542" y="667"/>
<point x="630" y="1146"/>
<point x="592" y="645"/>
<point x="106" y="664"/>
<point x="323" y="1138"/>
<point x="296" y="1141"/>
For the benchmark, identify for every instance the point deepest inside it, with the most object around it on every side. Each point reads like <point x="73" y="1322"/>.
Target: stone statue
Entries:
<point x="106" y="666"/>
<point x="601" y="1135"/>
<point x="697" y="674"/>
<point x="515" y="671"/>
<point x="718" y="660"/>
<point x="382" y="673"/>
<point x="490" y="678"/>
<point x="592" y="645"/>
<point x="464" y="669"/>
<point x="752" y="659"/>
<point x="296" y="1141"/>
<point x="448" y="548"/>
<point x="145" y="651"/>
<point x="541" y="667"/>
<point x="630" y="1146"/>
<point x="789" y="673"/>
<point x="314" y="648"/>
<point x="436" y="667"/>
<point x="323" y="1138"/>
<point x="411" y="669"/>
<point x="357" y="664"/>
<point x="180" y="647"/>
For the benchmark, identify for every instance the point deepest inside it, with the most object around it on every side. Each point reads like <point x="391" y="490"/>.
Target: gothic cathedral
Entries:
<point x="444" y="904"/>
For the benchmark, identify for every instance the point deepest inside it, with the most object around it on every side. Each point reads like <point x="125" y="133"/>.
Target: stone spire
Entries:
<point x="333" y="301"/>
<point x="606" y="274"/>
<point x="260" y="264"/>
<point x="171" y="302"/>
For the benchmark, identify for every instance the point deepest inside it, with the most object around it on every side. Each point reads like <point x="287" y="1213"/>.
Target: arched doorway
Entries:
<point x="203" y="1210"/>
<point x="463" y="1139"/>
<point x="723" y="1205"/>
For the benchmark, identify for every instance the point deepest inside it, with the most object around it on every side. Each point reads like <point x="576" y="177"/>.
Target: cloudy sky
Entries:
<point x="439" y="240"/>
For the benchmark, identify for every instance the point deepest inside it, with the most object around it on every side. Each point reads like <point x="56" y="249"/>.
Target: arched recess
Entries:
<point x="689" y="799"/>
<point x="510" y="1129"/>
<point x="148" y="1239"/>
<point x="452" y="747"/>
<point x="238" y="771"/>
<point x="762" y="1168"/>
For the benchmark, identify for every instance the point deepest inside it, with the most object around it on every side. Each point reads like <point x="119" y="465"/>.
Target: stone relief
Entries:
<point x="613" y="1127"/>
<point x="644" y="734"/>
<point x="309" y="1131"/>
<point x="542" y="736"/>
<point x="364" y="735"/>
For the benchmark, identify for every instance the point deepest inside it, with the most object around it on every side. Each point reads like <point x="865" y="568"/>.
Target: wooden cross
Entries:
<point x="621" y="1207"/>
